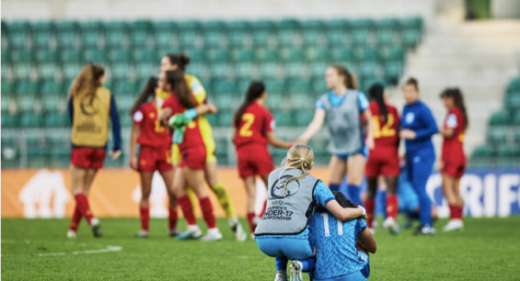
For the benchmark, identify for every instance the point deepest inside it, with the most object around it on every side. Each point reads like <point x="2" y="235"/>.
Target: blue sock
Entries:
<point x="281" y="263"/>
<point x="308" y="264"/>
<point x="381" y="202"/>
<point x="334" y="187"/>
<point x="354" y="193"/>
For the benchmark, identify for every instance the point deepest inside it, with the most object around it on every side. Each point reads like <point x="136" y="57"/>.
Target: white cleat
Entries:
<point x="253" y="236"/>
<point x="425" y="230"/>
<point x="454" y="225"/>
<point x="71" y="234"/>
<point x="213" y="235"/>
<point x="237" y="229"/>
<point x="372" y="230"/>
<point x="391" y="225"/>
<point x="174" y="232"/>
<point x="142" y="234"/>
<point x="95" y="225"/>
<point x="296" y="271"/>
<point x="281" y="275"/>
<point x="193" y="232"/>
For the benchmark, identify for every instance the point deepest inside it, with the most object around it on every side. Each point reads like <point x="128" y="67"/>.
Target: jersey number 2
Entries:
<point x="386" y="130"/>
<point x="245" y="131"/>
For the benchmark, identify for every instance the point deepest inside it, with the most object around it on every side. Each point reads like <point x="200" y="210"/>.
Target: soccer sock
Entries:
<point x="263" y="210"/>
<point x="392" y="205"/>
<point x="334" y="187"/>
<point x="281" y="263"/>
<point x="187" y="209"/>
<point x="452" y="211"/>
<point x="460" y="211"/>
<point x="223" y="200"/>
<point x="381" y="202"/>
<point x="76" y="218"/>
<point x="354" y="193"/>
<point x="172" y="218"/>
<point x="144" y="213"/>
<point x="250" y="217"/>
<point x="207" y="212"/>
<point x="193" y="199"/>
<point x="308" y="265"/>
<point x="83" y="206"/>
<point x="369" y="207"/>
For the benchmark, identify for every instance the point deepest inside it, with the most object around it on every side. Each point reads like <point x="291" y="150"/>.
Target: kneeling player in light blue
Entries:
<point x="292" y="193"/>
<point x="341" y="247"/>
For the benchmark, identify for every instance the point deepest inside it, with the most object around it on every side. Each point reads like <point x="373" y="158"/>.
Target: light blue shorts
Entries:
<point x="344" y="157"/>
<point x="292" y="248"/>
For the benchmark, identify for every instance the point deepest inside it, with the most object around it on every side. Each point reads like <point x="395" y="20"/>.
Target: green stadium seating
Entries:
<point x="517" y="118"/>
<point x="124" y="118"/>
<point x="26" y="95"/>
<point x="386" y="30"/>
<point x="360" y="32"/>
<point x="238" y="33"/>
<point x="30" y="119"/>
<point x="43" y="34"/>
<point x="56" y="120"/>
<point x="263" y="30"/>
<point x="214" y="33"/>
<point x="336" y="31"/>
<point x="225" y="118"/>
<point x="19" y="35"/>
<point x="244" y="63"/>
<point x="141" y="34"/>
<point x="120" y="55"/>
<point x="220" y="66"/>
<point x="5" y="37"/>
<point x="288" y="30"/>
<point x="502" y="118"/>
<point x="53" y="96"/>
<point x="10" y="152"/>
<point x="512" y="101"/>
<point x="295" y="66"/>
<point x="283" y="118"/>
<point x="313" y="33"/>
<point x="411" y="30"/>
<point x="93" y="55"/>
<point x="92" y="34"/>
<point x="496" y="136"/>
<point x="190" y="34"/>
<point x="48" y="64"/>
<point x="116" y="34"/>
<point x="341" y="55"/>
<point x="66" y="34"/>
<point x="165" y="34"/>
<point x="269" y="63"/>
<point x="9" y="120"/>
<point x="23" y="63"/>
<point x="514" y="86"/>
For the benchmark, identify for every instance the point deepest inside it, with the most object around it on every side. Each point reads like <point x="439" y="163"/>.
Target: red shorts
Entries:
<point x="454" y="170"/>
<point x="153" y="159"/>
<point x="194" y="158"/>
<point x="254" y="161"/>
<point x="88" y="158"/>
<point x="383" y="162"/>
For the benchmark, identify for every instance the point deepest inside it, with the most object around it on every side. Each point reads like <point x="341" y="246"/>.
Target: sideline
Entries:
<point x="86" y="252"/>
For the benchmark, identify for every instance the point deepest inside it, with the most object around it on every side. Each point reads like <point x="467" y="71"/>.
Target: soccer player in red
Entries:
<point x="181" y="105"/>
<point x="453" y="158"/>
<point x="154" y="155"/>
<point x="253" y="129"/>
<point x="383" y="160"/>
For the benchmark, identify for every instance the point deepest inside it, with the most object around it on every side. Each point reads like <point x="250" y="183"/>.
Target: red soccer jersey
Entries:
<point x="256" y="122"/>
<point x="192" y="136"/>
<point x="452" y="147"/>
<point x="385" y="134"/>
<point x="153" y="133"/>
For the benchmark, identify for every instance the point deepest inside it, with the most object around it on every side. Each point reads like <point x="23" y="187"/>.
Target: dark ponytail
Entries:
<point x="350" y="79"/>
<point x="342" y="201"/>
<point x="147" y="92"/>
<point x="458" y="101"/>
<point x="180" y="88"/>
<point x="377" y="93"/>
<point x="255" y="91"/>
<point x="412" y="81"/>
<point x="180" y="60"/>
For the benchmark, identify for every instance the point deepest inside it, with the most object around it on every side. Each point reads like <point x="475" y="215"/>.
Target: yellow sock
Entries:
<point x="193" y="198"/>
<point x="223" y="200"/>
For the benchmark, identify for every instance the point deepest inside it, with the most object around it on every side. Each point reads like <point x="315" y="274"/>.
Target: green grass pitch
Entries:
<point x="488" y="249"/>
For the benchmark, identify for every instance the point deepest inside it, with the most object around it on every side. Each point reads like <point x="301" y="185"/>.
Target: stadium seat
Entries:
<point x="141" y="34"/>
<point x="283" y="118"/>
<point x="116" y="34"/>
<point x="318" y="87"/>
<point x="59" y="157"/>
<point x="288" y="32"/>
<point x="165" y="34"/>
<point x="411" y="31"/>
<point x="26" y="96"/>
<point x="43" y="34"/>
<point x="295" y="66"/>
<point x="313" y="33"/>
<point x="6" y="100"/>
<point x="277" y="92"/>
<point x="66" y="34"/>
<point x="385" y="31"/>
<point x="269" y="63"/>
<point x="336" y="31"/>
<point x="225" y="118"/>
<point x="360" y="30"/>
<point x="30" y="119"/>
<point x="342" y="55"/>
<point x="72" y="63"/>
<point x="92" y="34"/>
<point x="53" y="96"/>
<point x="124" y="118"/>
<point x="19" y="33"/>
<point x="392" y="71"/>
<point x="244" y="64"/>
<point x="512" y="101"/>
<point x="517" y="118"/>
<point x="517" y="136"/>
<point x="502" y="118"/>
<point x="10" y="120"/>
<point x="23" y="63"/>
<point x="496" y="135"/>
<point x="122" y="70"/>
<point x="190" y="34"/>
<point x="56" y="120"/>
<point x="93" y="55"/>
<point x="263" y="31"/>
<point x="10" y="152"/>
<point x="238" y="33"/>
<point x="214" y="33"/>
<point x="514" y="86"/>
<point x="220" y="63"/>
<point x="48" y="66"/>
<point x="120" y="55"/>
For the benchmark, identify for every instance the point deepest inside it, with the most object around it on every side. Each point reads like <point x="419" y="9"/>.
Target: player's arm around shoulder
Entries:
<point x="344" y="214"/>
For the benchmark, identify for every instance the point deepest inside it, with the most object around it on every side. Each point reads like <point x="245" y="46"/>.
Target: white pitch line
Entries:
<point x="106" y="250"/>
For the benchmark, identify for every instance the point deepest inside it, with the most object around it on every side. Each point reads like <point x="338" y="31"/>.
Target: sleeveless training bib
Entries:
<point x="90" y="120"/>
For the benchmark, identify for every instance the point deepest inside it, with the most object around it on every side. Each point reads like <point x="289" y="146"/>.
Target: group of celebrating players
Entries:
<point x="172" y="108"/>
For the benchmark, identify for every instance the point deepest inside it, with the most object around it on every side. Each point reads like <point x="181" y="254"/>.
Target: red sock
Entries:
<point x="453" y="211"/>
<point x="76" y="218"/>
<point x="144" y="213"/>
<point x="250" y="218"/>
<point x="392" y="205"/>
<point x="172" y="218"/>
<point x="459" y="212"/>
<point x="187" y="209"/>
<point x="369" y="206"/>
<point x="207" y="212"/>
<point x="83" y="206"/>
<point x="263" y="210"/>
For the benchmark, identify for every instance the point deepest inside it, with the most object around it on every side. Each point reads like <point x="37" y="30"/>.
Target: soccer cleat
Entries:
<point x="454" y="225"/>
<point x="424" y="230"/>
<point x="213" y="235"/>
<point x="240" y="234"/>
<point x="281" y="275"/>
<point x="372" y="230"/>
<point x="142" y="234"/>
<point x="174" y="232"/>
<point x="71" y="234"/>
<point x="391" y="225"/>
<point x="296" y="271"/>
<point x="253" y="236"/>
<point x="95" y="225"/>
<point x="190" y="234"/>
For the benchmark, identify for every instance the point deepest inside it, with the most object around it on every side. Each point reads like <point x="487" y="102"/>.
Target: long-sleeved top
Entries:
<point x="419" y="118"/>
<point x="114" y="118"/>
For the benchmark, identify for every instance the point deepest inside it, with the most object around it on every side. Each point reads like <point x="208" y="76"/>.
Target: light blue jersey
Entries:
<point x="335" y="242"/>
<point x="336" y="100"/>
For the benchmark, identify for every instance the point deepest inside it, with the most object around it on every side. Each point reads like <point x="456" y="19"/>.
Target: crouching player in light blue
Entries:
<point x="341" y="247"/>
<point x="292" y="193"/>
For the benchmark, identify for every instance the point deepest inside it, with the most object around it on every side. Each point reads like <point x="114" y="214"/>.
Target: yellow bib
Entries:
<point x="90" y="119"/>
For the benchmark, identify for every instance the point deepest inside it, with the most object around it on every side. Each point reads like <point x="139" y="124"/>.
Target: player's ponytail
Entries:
<point x="147" y="92"/>
<point x="377" y="93"/>
<point x="181" y="60"/>
<point x="254" y="92"/>
<point x="180" y="88"/>
<point x="299" y="156"/>
<point x="350" y="79"/>
<point x="458" y="101"/>
<point x="87" y="80"/>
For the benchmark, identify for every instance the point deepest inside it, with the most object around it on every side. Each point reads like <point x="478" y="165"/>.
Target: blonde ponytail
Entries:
<point x="301" y="157"/>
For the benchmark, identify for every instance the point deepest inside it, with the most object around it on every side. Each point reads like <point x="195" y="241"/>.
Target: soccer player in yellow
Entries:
<point x="172" y="62"/>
